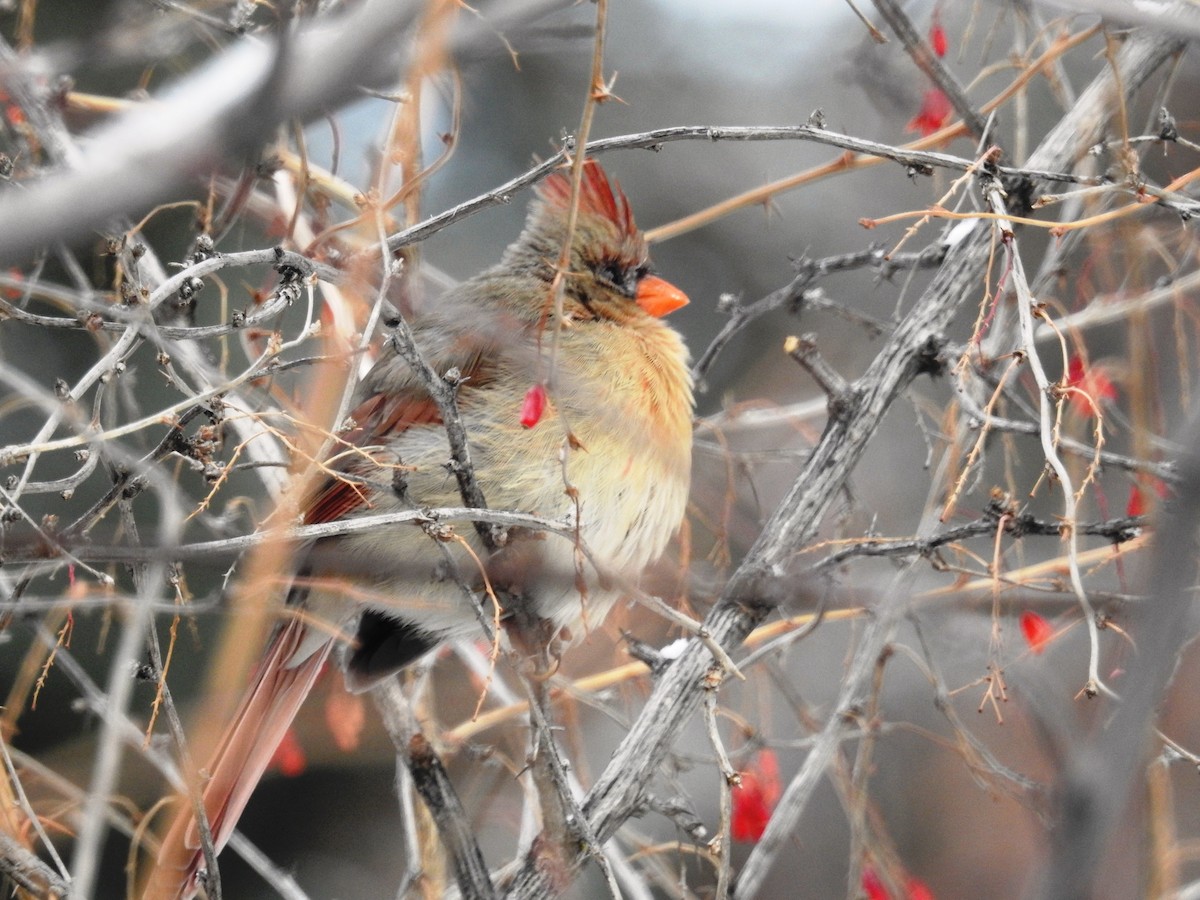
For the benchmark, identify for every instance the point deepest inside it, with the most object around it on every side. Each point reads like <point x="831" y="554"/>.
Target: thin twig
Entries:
<point x="443" y="388"/>
<point x="794" y="293"/>
<point x="721" y="844"/>
<point x="919" y="160"/>
<point x="1049" y="433"/>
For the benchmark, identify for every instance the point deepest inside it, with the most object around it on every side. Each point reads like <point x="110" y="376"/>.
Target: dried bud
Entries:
<point x="190" y="288"/>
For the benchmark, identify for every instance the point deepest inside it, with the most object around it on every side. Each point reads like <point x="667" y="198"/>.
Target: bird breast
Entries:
<point x="629" y="406"/>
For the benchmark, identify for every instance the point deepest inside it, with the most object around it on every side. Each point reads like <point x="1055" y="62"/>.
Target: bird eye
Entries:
<point x="619" y="276"/>
<point x="609" y="271"/>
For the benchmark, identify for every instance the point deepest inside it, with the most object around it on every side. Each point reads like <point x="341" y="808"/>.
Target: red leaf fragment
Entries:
<point x="935" y="110"/>
<point x="1091" y="384"/>
<point x="533" y="406"/>
<point x="755" y="798"/>
<point x="1140" y="495"/>
<point x="345" y="717"/>
<point x="13" y="293"/>
<point x="937" y="39"/>
<point x="872" y="886"/>
<point x="1136" y="506"/>
<point x="1037" y="631"/>
<point x="289" y="758"/>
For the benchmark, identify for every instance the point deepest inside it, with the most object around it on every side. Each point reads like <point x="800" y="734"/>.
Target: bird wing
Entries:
<point x="391" y="401"/>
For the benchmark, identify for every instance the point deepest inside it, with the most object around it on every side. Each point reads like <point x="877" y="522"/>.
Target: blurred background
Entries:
<point x="955" y="792"/>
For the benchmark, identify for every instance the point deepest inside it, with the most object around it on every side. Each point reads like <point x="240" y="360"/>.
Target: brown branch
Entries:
<point x="443" y="388"/>
<point x="922" y="161"/>
<point x="1118" y="531"/>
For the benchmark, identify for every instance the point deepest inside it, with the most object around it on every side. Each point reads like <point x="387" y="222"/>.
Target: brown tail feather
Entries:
<point x="245" y="751"/>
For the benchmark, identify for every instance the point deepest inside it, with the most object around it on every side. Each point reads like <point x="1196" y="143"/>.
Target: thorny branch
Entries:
<point x="1026" y="307"/>
<point x="797" y="294"/>
<point x="1116" y="530"/>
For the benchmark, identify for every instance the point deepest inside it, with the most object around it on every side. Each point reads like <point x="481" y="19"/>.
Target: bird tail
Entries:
<point x="245" y="751"/>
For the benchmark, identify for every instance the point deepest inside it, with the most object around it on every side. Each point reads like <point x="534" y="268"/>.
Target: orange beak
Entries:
<point x="659" y="297"/>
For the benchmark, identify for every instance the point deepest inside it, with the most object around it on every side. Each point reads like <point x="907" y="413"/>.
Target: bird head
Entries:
<point x="608" y="273"/>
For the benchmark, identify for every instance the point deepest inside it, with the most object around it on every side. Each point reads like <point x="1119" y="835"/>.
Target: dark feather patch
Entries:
<point x="384" y="645"/>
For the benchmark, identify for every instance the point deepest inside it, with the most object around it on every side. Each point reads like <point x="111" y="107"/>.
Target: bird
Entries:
<point x="577" y="411"/>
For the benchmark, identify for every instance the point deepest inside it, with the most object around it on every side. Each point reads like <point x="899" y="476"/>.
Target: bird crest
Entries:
<point x="598" y="198"/>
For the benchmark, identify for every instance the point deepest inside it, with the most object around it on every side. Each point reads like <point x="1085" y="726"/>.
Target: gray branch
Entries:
<point x="226" y="111"/>
<point x="433" y="784"/>
<point x="1099" y="770"/>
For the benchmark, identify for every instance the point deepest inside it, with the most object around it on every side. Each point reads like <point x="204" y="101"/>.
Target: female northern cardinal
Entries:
<point x="618" y="386"/>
